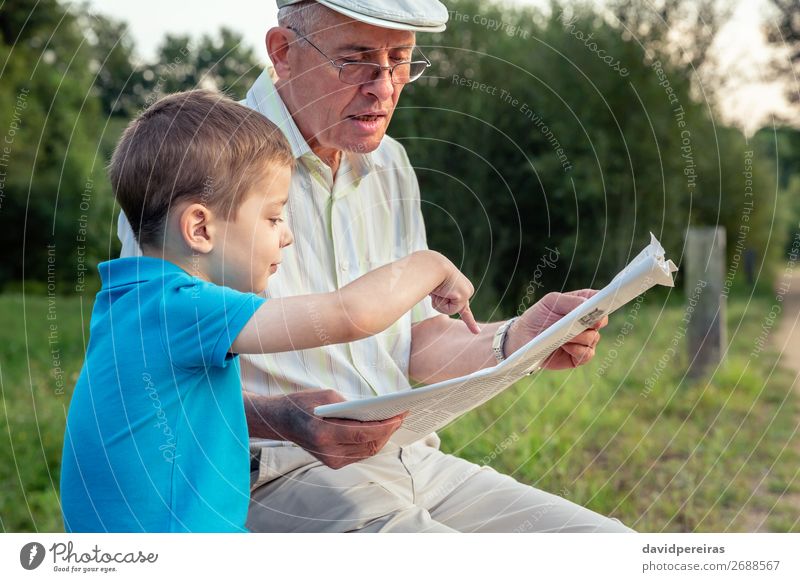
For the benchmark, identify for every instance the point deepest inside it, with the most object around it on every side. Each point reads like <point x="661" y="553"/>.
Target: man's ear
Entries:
<point x="197" y="228"/>
<point x="279" y="41"/>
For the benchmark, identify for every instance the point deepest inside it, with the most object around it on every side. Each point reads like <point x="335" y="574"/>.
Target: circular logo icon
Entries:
<point x="31" y="555"/>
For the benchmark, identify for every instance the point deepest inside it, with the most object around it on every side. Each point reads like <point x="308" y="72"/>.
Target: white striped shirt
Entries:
<point x="366" y="217"/>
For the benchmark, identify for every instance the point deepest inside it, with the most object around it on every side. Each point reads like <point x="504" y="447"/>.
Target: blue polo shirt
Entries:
<point x="156" y="437"/>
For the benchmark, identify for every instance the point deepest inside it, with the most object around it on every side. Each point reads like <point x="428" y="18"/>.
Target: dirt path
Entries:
<point x="787" y="337"/>
<point x="787" y="341"/>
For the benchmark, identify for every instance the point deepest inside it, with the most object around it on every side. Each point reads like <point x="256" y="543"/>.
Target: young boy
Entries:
<point x="156" y="437"/>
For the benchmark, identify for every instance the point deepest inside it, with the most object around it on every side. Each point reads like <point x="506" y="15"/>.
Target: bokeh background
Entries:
<point x="549" y="139"/>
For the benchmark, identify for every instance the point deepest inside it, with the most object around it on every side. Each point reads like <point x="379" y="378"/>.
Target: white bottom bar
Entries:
<point x="499" y="557"/>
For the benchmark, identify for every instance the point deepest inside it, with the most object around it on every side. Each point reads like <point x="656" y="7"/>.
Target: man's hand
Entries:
<point x="546" y="312"/>
<point x="335" y="442"/>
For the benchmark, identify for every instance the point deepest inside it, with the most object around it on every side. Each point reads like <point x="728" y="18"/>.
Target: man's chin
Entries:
<point x="364" y="145"/>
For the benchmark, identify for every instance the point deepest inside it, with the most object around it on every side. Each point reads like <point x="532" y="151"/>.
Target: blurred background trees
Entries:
<point x="565" y="147"/>
<point x="491" y="175"/>
<point x="70" y="83"/>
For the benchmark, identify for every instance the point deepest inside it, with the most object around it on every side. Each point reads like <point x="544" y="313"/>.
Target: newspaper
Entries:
<point x="434" y="406"/>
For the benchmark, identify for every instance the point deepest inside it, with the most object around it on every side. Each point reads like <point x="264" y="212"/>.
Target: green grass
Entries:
<point x="34" y="404"/>
<point x="715" y="455"/>
<point x="720" y="454"/>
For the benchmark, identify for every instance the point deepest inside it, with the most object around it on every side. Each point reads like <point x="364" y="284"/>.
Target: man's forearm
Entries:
<point x="442" y="348"/>
<point x="266" y="416"/>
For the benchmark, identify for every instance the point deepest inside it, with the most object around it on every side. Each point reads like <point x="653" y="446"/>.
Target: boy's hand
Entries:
<point x="335" y="442"/>
<point x="452" y="296"/>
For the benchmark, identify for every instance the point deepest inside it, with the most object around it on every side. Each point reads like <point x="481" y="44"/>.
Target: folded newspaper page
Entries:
<point x="434" y="406"/>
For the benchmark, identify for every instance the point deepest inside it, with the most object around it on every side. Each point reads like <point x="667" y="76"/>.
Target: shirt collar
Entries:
<point x="130" y="270"/>
<point x="264" y="98"/>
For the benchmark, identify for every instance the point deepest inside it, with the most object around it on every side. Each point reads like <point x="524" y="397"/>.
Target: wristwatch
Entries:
<point x="499" y="341"/>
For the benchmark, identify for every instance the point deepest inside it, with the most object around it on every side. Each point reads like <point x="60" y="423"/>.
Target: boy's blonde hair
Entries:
<point x="196" y="146"/>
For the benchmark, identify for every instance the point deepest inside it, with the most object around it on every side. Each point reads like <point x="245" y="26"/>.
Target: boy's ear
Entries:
<point x="278" y="42"/>
<point x="197" y="228"/>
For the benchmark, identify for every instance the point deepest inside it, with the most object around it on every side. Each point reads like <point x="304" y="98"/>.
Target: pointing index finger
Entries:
<point x="469" y="320"/>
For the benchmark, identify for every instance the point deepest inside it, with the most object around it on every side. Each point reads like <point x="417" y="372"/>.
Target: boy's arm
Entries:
<point x="363" y="308"/>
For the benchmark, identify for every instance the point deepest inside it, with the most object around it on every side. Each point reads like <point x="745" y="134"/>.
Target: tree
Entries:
<point x="53" y="180"/>
<point x="221" y="62"/>
<point x="556" y="129"/>
<point x="784" y="34"/>
<point x="118" y="83"/>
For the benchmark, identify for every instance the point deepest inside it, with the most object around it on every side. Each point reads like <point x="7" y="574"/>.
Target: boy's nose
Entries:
<point x="287" y="238"/>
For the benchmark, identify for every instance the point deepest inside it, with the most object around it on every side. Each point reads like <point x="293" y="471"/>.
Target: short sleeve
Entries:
<point x="200" y="320"/>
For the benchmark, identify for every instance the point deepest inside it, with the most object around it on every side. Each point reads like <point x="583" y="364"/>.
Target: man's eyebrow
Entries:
<point x="357" y="48"/>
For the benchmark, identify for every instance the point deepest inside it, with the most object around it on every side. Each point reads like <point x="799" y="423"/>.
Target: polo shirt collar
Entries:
<point x="264" y="98"/>
<point x="131" y="270"/>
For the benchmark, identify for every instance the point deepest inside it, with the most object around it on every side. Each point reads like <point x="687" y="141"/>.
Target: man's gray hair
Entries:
<point x="304" y="17"/>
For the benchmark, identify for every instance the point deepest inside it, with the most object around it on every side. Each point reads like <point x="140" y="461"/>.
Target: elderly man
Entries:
<point x="354" y="205"/>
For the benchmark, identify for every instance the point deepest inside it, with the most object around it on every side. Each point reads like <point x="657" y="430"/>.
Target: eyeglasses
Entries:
<point x="361" y="73"/>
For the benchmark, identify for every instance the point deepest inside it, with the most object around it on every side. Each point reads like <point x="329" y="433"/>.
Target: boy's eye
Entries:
<point x="276" y="221"/>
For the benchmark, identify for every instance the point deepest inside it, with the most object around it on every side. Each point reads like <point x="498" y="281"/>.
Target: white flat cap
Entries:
<point x="415" y="15"/>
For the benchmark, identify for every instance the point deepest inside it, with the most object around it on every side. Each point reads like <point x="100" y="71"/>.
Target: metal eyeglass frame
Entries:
<point x="371" y="65"/>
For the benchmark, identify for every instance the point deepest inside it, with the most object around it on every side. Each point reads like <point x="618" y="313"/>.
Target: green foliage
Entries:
<point x="484" y="131"/>
<point x="69" y="85"/>
<point x="41" y="352"/>
<point x="221" y="62"/>
<point x="780" y="151"/>
<point x="54" y="180"/>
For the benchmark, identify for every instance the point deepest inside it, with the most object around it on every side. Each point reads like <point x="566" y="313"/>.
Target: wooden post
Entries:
<point x="704" y="317"/>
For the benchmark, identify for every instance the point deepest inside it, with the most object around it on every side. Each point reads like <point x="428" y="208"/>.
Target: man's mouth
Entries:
<point x="369" y="115"/>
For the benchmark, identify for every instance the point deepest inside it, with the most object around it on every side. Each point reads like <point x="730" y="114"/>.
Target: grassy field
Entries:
<point x="719" y="454"/>
<point x="621" y="435"/>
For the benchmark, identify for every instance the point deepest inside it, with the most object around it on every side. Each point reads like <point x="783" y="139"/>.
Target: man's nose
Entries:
<point x="381" y="86"/>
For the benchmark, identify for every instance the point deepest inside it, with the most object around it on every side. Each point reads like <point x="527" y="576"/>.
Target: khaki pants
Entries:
<point x="410" y="489"/>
